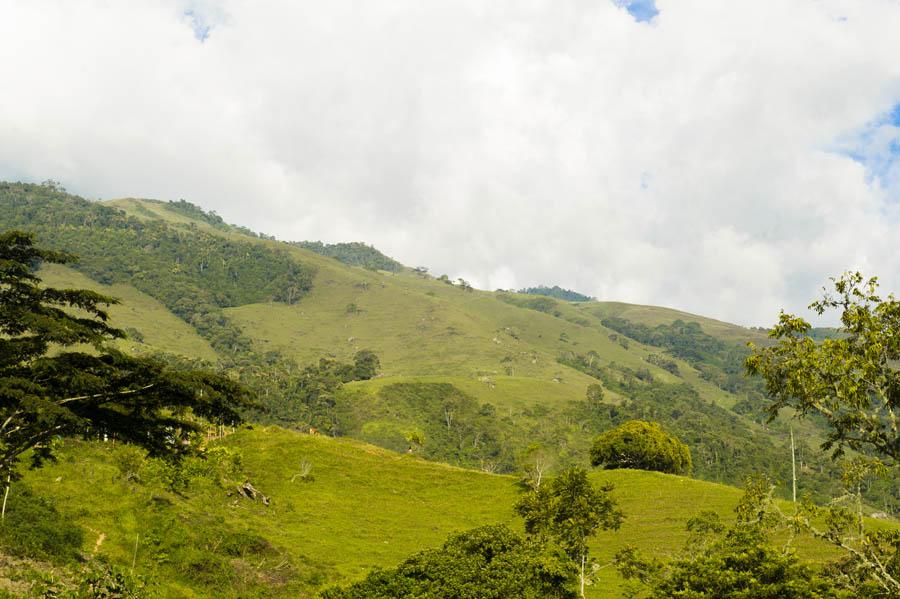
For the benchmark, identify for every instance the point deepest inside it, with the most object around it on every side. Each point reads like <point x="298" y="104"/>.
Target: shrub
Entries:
<point x="641" y="445"/>
<point x="33" y="528"/>
<point x="490" y="562"/>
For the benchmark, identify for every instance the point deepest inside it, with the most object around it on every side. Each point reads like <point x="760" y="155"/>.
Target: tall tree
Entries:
<point x="853" y="381"/>
<point x="51" y="387"/>
<point x="569" y="510"/>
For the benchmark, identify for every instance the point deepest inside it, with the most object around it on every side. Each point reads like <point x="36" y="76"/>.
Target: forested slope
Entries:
<point x="468" y="377"/>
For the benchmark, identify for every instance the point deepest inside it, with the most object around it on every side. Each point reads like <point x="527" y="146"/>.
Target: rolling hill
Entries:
<point x="518" y="363"/>
<point x="360" y="507"/>
<point x="467" y="379"/>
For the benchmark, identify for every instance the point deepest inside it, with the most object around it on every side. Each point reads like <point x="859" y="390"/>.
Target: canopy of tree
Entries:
<point x="491" y="562"/>
<point x="48" y="388"/>
<point x="558" y="292"/>
<point x="353" y="253"/>
<point x="641" y="445"/>
<point x="853" y="381"/>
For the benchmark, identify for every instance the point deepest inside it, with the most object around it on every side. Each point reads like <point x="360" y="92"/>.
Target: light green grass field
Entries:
<point x="366" y="507"/>
<point x="162" y="330"/>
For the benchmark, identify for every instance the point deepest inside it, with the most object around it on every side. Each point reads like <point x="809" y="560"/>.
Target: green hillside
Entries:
<point x="519" y="364"/>
<point x="469" y="384"/>
<point x="360" y="507"/>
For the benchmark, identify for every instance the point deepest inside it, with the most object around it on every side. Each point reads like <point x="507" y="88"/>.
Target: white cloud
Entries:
<point x="687" y="161"/>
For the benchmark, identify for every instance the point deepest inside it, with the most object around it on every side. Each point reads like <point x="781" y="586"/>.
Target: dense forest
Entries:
<point x="193" y="273"/>
<point x="558" y="292"/>
<point x="353" y="254"/>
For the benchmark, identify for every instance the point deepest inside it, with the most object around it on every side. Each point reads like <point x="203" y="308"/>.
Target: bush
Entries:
<point x="33" y="528"/>
<point x="641" y="445"/>
<point x="490" y="562"/>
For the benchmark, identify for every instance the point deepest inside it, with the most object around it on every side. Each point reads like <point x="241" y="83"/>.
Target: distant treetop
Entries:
<point x="353" y="254"/>
<point x="557" y="292"/>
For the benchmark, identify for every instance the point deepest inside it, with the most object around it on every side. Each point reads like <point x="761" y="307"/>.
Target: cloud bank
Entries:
<point x="720" y="157"/>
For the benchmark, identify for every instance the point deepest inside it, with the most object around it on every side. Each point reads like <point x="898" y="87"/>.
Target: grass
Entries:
<point x="161" y="330"/>
<point x="365" y="507"/>
<point x="422" y="327"/>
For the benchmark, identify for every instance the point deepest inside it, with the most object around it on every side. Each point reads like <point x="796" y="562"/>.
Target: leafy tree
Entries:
<point x="536" y="462"/>
<point x="569" y="510"/>
<point x="594" y="396"/>
<point x="49" y="390"/>
<point x="851" y="382"/>
<point x="641" y="445"/>
<point x="737" y="562"/>
<point x="490" y="562"/>
<point x="365" y="365"/>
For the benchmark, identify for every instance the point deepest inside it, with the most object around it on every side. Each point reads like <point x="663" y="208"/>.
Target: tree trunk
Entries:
<point x="793" y="466"/>
<point x="582" y="575"/>
<point x="5" y="497"/>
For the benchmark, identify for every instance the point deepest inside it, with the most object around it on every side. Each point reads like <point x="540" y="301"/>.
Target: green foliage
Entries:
<point x="353" y="254"/>
<point x="48" y="394"/>
<point x="100" y="580"/>
<point x="569" y="510"/>
<point x="558" y="292"/>
<point x="490" y="562"/>
<point x="34" y="528"/>
<point x="194" y="273"/>
<point x="453" y="426"/>
<point x="851" y="382"/>
<point x="195" y="212"/>
<point x="541" y="303"/>
<point x="737" y="562"/>
<point x="300" y="398"/>
<point x="641" y="445"/>
<point x="722" y="447"/>
<point x="664" y="363"/>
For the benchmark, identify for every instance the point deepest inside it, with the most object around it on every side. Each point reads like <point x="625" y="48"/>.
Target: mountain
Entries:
<point x="505" y="369"/>
<point x="465" y="377"/>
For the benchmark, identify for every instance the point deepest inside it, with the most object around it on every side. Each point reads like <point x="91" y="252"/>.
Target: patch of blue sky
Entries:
<point x="876" y="146"/>
<point x="198" y="24"/>
<point x="643" y="11"/>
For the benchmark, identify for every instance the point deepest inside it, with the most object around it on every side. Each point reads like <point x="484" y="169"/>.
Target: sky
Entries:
<point x="724" y="157"/>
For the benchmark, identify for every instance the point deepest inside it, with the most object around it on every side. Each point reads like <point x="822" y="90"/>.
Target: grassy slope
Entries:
<point x="655" y="315"/>
<point x="162" y="330"/>
<point x="422" y="328"/>
<point x="366" y="507"/>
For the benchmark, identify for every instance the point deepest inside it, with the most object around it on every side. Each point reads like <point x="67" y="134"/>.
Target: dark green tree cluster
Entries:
<point x="547" y="305"/>
<point x="195" y="212"/>
<point x="353" y="254"/>
<point x="297" y="397"/>
<point x="194" y="274"/>
<point x="641" y="445"/>
<point x="491" y="562"/>
<point x="723" y="447"/>
<point x="719" y="362"/>
<point x="453" y="426"/>
<point x="566" y="295"/>
<point x="665" y="363"/>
